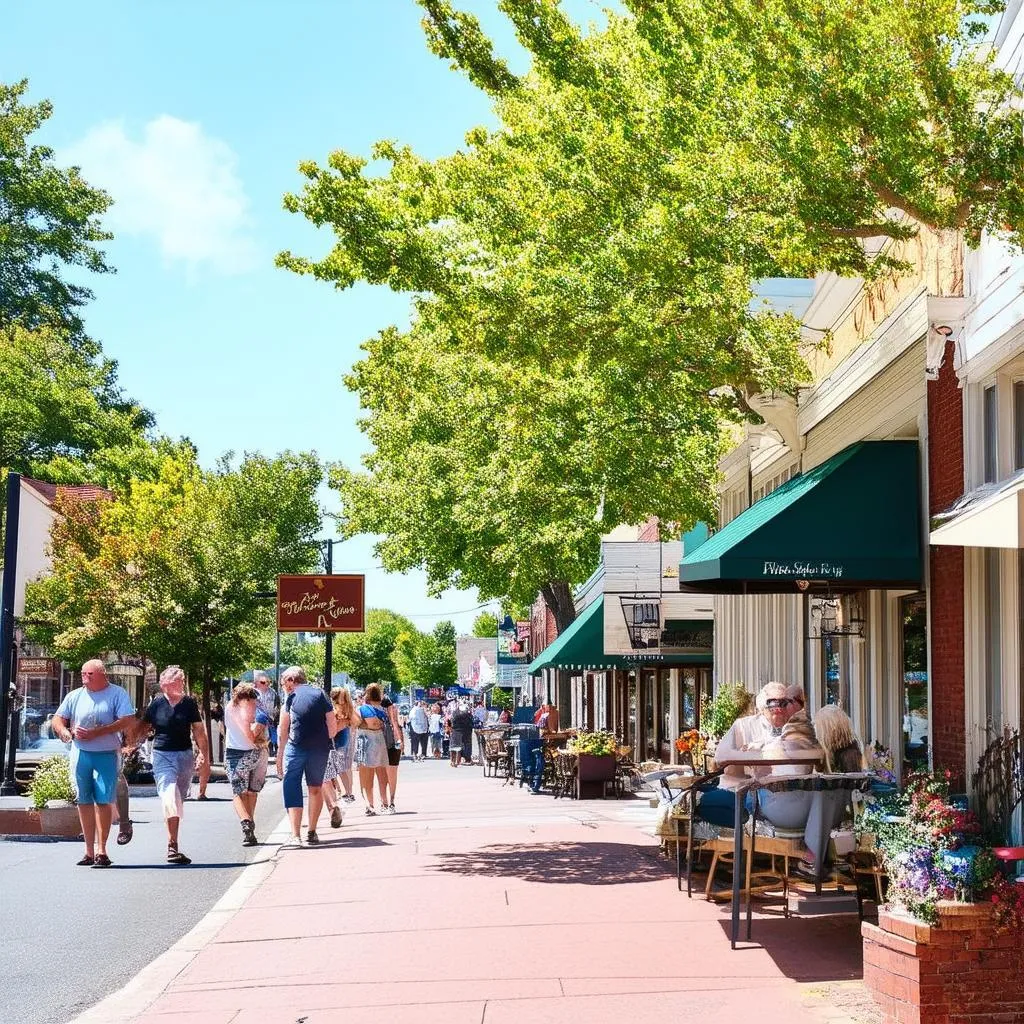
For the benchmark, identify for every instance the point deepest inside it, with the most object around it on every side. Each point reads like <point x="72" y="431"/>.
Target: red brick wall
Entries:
<point x="946" y="566"/>
<point x="960" y="972"/>
<point x="649" y="531"/>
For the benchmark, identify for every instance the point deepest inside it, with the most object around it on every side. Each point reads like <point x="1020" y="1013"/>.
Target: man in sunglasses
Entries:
<point x="775" y="707"/>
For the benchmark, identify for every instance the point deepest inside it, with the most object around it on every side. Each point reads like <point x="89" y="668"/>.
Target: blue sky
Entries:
<point x="194" y="116"/>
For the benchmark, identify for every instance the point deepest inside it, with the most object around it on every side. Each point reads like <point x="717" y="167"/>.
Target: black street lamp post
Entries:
<point x="8" y="695"/>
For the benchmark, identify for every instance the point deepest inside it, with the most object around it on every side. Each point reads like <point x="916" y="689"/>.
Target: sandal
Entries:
<point x="125" y="833"/>
<point x="86" y="862"/>
<point x="175" y="857"/>
<point x="101" y="860"/>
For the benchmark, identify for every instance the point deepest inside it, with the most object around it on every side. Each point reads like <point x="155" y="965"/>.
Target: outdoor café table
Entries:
<point x="820" y="822"/>
<point x="750" y="759"/>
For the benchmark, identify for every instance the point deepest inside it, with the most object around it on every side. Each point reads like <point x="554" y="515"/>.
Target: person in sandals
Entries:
<point x="92" y="718"/>
<point x="175" y="720"/>
<point x="245" y="725"/>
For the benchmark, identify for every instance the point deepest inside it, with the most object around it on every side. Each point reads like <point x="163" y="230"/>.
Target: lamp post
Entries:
<point x="8" y="701"/>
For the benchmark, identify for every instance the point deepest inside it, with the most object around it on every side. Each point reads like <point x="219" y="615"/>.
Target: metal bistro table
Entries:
<point x="817" y="783"/>
<point x="754" y="759"/>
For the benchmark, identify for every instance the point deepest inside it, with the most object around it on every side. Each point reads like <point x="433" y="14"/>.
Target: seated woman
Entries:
<point x="788" y="809"/>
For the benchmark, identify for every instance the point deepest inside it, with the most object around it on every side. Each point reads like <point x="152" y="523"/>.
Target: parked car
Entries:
<point x="28" y="760"/>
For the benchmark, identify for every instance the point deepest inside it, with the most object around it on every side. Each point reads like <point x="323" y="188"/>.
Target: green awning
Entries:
<point x="581" y="647"/>
<point x="854" y="522"/>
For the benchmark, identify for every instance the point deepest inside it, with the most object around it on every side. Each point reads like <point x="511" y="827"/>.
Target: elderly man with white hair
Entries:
<point x="92" y="719"/>
<point x="775" y="707"/>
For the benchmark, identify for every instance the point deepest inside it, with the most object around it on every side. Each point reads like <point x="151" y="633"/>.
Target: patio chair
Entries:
<point x="496" y="754"/>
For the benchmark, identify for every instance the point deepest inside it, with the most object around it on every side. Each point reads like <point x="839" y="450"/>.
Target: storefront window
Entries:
<point x="832" y="671"/>
<point x="1018" y="424"/>
<point x="914" y="658"/>
<point x="650" y="721"/>
<point x="633" y="738"/>
<point x="688" y="699"/>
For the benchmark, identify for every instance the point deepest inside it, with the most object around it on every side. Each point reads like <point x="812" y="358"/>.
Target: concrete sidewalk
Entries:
<point x="484" y="904"/>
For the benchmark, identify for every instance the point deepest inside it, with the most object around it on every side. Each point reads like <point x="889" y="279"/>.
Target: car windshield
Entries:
<point x="54" y="745"/>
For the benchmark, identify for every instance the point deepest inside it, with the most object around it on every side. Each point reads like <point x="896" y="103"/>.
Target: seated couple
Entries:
<point x="781" y="728"/>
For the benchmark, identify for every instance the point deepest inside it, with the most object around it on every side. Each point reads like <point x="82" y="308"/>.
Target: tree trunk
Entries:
<point x="558" y="595"/>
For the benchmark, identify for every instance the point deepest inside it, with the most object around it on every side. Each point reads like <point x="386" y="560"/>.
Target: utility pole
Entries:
<point x="328" y="637"/>
<point x="8" y="703"/>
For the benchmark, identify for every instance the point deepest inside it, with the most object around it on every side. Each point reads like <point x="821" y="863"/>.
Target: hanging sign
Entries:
<point x="321" y="604"/>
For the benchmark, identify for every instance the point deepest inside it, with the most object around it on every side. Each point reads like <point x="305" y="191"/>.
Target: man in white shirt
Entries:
<point x="419" y="724"/>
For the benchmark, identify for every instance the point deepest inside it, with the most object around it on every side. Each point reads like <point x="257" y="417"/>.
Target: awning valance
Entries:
<point x="581" y="647"/>
<point x="853" y="522"/>
<point x="989" y="517"/>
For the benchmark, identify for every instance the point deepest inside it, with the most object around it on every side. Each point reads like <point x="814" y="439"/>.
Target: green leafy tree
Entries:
<point x="49" y="223"/>
<point x="434" y="661"/>
<point x="63" y="415"/>
<point x="583" y="274"/>
<point x="485" y="624"/>
<point x="172" y="568"/>
<point x="383" y="654"/>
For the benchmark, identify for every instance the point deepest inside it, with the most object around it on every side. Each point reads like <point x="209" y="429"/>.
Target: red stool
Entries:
<point x="1008" y="855"/>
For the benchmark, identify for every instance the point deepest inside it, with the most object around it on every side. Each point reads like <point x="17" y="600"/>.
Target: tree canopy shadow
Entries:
<point x="564" y="863"/>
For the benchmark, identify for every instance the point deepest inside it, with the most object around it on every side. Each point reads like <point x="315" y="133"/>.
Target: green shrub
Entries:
<point x="732" y="701"/>
<point x="52" y="781"/>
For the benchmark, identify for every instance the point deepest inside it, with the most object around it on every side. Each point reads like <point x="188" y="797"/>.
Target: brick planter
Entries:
<point x="958" y="971"/>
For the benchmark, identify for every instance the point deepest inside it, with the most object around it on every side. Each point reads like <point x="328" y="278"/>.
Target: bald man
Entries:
<point x="92" y="719"/>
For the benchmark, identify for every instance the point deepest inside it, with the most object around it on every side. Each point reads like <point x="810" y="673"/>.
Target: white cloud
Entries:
<point x="177" y="185"/>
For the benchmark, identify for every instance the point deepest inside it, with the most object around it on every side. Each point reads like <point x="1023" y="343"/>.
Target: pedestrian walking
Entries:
<point x="344" y="741"/>
<point x="395" y="745"/>
<point x="91" y="718"/>
<point x="176" y="722"/>
<point x="330" y="787"/>
<point x="246" y="727"/>
<point x="436" y="729"/>
<point x="371" y="756"/>
<point x="270" y="702"/>
<point x="419" y="724"/>
<point x="305" y="732"/>
<point x="462" y="736"/>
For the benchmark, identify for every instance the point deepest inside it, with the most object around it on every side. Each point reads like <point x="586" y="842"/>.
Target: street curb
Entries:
<point x="152" y="981"/>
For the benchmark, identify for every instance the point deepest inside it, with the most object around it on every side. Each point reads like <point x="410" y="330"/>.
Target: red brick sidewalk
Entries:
<point x="478" y="904"/>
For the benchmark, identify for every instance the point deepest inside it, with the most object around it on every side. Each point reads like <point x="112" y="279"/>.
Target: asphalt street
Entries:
<point x="71" y="935"/>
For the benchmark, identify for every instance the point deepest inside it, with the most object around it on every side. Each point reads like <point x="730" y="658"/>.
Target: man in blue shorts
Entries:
<point x="92" y="719"/>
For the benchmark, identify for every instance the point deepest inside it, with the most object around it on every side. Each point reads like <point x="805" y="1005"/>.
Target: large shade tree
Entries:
<point x="64" y="416"/>
<point x="172" y="569"/>
<point x="49" y="223"/>
<point x="582" y="275"/>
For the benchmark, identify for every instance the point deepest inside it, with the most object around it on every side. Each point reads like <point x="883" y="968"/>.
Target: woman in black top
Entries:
<point x="175" y="720"/>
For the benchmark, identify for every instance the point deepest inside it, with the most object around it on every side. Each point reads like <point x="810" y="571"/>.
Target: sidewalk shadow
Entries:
<point x="834" y="939"/>
<point x="157" y="866"/>
<point x="560" y="863"/>
<point x="355" y="843"/>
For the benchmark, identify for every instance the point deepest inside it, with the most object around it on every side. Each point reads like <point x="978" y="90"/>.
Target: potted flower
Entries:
<point x="53" y="796"/>
<point x="690" y="747"/>
<point x="949" y="912"/>
<point x="595" y="756"/>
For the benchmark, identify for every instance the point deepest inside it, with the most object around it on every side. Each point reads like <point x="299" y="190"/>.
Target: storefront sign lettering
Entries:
<point x="804" y="570"/>
<point x="320" y="604"/>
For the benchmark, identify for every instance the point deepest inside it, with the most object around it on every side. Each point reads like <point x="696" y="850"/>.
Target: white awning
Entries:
<point x="990" y="517"/>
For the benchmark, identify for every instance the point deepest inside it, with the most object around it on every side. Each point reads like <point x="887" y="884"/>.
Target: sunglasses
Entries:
<point x="777" y="702"/>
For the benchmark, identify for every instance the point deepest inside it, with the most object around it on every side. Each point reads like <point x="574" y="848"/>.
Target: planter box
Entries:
<point x="959" y="971"/>
<point x="59" y="818"/>
<point x="592" y="774"/>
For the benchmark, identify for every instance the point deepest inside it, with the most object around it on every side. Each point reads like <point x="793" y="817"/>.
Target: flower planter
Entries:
<point x="958" y="971"/>
<point x="59" y="818"/>
<point x="592" y="773"/>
